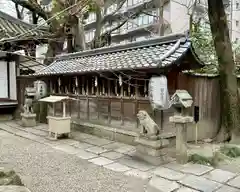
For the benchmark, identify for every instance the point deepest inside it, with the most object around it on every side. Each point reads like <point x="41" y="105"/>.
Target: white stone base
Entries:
<point x="58" y="126"/>
<point x="151" y="150"/>
<point x="28" y="120"/>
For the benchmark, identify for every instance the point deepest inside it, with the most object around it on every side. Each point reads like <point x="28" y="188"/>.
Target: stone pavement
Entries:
<point x="119" y="157"/>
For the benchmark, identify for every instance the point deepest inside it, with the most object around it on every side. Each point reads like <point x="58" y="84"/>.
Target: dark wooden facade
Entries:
<point x="108" y="103"/>
<point x="120" y="112"/>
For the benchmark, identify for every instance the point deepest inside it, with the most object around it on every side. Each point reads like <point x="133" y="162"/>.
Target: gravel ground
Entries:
<point x="44" y="169"/>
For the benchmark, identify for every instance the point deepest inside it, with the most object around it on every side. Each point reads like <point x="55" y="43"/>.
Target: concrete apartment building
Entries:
<point x="176" y="18"/>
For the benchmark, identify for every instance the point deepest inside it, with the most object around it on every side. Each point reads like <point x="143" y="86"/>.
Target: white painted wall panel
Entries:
<point x="13" y="81"/>
<point x="3" y="80"/>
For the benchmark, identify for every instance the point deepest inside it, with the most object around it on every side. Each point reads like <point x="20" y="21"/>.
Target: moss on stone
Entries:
<point x="9" y="178"/>
<point x="199" y="159"/>
<point x="230" y="151"/>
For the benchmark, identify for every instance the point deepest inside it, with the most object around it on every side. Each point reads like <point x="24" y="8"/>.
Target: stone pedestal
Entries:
<point x="28" y="119"/>
<point x="150" y="150"/>
<point x="181" y="137"/>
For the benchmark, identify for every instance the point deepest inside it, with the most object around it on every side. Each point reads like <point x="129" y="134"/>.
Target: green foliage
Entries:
<point x="230" y="151"/>
<point x="199" y="159"/>
<point x="203" y="45"/>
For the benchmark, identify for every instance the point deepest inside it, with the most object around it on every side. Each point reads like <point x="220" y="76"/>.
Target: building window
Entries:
<point x="89" y="35"/>
<point x="135" y="2"/>
<point x="140" y="20"/>
<point x="237" y="23"/>
<point x="145" y="19"/>
<point x="129" y="2"/>
<point x="237" y="5"/>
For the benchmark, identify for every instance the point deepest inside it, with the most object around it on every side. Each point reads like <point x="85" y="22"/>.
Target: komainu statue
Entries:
<point x="28" y="105"/>
<point x="148" y="127"/>
<point x="28" y="102"/>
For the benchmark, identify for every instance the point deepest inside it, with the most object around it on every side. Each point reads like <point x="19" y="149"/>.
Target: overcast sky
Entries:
<point x="8" y="7"/>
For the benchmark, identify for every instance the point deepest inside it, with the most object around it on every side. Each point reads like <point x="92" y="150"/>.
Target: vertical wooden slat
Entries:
<point x="109" y="101"/>
<point x="136" y="112"/>
<point x="136" y="89"/>
<point x="87" y="86"/>
<point x="122" y="111"/>
<point x="97" y="93"/>
<point x="82" y="85"/>
<point x="109" y="111"/>
<point x="78" y="106"/>
<point x="109" y="87"/>
<point x="88" y="108"/>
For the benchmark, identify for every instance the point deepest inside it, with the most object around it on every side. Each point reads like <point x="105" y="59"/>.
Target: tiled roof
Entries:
<point x="11" y="27"/>
<point x="153" y="53"/>
<point x="32" y="65"/>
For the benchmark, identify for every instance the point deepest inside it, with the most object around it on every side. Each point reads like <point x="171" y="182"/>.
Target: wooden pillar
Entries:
<point x="82" y="84"/>
<point x="109" y="101"/>
<point x="54" y="109"/>
<point x="97" y="97"/>
<point x="136" y="102"/>
<point x="88" y="108"/>
<point x="59" y="85"/>
<point x="122" y="111"/>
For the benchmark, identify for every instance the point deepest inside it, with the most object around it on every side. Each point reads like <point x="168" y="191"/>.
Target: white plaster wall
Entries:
<point x="3" y="80"/>
<point x="7" y="6"/>
<point x="13" y="81"/>
<point x="40" y="52"/>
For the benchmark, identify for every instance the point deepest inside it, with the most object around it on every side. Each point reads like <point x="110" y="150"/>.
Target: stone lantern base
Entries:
<point x="28" y="119"/>
<point x="181" y="136"/>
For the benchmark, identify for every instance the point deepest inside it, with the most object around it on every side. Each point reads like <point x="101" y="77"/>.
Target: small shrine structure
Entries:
<point x="110" y="84"/>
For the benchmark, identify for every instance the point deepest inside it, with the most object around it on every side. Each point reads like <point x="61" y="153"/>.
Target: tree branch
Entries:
<point x="19" y="13"/>
<point x="33" y="7"/>
<point x="107" y="34"/>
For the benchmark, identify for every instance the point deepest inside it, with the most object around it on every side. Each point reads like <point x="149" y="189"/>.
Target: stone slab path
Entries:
<point x="119" y="157"/>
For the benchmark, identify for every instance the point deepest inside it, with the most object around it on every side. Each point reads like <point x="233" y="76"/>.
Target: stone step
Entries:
<point x="31" y="130"/>
<point x="13" y="188"/>
<point x="158" y="184"/>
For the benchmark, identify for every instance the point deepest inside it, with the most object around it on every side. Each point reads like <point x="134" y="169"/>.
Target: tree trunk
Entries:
<point x="97" y="34"/>
<point x="230" y="111"/>
<point x="80" y="43"/>
<point x="161" y="19"/>
<point x="54" y="48"/>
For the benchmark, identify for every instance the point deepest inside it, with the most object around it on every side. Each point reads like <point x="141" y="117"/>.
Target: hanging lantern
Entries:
<point x="129" y="88"/>
<point x="96" y="81"/>
<point x="59" y="82"/>
<point x="76" y="81"/>
<point x="158" y="93"/>
<point x="120" y="80"/>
